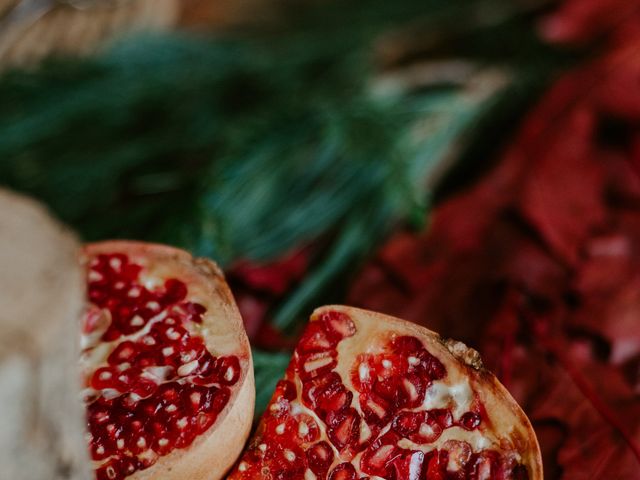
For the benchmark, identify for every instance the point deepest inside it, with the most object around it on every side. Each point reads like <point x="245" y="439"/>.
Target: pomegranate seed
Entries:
<point x="343" y="427"/>
<point x="334" y="398"/>
<point x="307" y="430"/>
<point x="437" y="465"/>
<point x="470" y="420"/>
<point x="459" y="454"/>
<point x="407" y="423"/>
<point x="104" y="377"/>
<point x="315" y="339"/>
<point x="409" y="465"/>
<point x="316" y="364"/>
<point x="344" y="471"/>
<point x="228" y="370"/>
<point x="406" y="345"/>
<point x="194" y="311"/>
<point x="125" y="352"/>
<point x="175" y="291"/>
<point x="378" y="458"/>
<point x="286" y="390"/>
<point x="442" y="417"/>
<point x="313" y="389"/>
<point x="338" y="325"/>
<point x="376" y="410"/>
<point x="320" y="457"/>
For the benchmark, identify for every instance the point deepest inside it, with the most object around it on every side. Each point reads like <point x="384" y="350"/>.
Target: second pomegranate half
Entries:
<point x="166" y="365"/>
<point x="371" y="396"/>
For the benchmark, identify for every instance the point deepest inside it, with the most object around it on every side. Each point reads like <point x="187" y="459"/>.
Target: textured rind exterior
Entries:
<point x="496" y="399"/>
<point x="213" y="453"/>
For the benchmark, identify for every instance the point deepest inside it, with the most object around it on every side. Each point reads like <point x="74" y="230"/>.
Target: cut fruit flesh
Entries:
<point x="371" y="396"/>
<point x="166" y="365"/>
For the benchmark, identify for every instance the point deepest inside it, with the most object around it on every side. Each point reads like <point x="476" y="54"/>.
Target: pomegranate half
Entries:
<point x="166" y="365"/>
<point x="372" y="396"/>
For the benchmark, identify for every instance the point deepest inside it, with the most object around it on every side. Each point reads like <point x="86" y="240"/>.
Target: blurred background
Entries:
<point x="470" y="165"/>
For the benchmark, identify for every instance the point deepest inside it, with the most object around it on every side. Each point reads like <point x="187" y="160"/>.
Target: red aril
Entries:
<point x="166" y="365"/>
<point x="393" y="401"/>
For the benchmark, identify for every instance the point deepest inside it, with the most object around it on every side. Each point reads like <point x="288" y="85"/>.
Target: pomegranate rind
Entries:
<point x="212" y="453"/>
<point x="504" y="429"/>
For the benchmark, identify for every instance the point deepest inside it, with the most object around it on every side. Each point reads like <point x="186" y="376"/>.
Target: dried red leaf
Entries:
<point x="563" y="194"/>
<point x="581" y="21"/>
<point x="274" y="277"/>
<point x="592" y="448"/>
<point x="259" y="286"/>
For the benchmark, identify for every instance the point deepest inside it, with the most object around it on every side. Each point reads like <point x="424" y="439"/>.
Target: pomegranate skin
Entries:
<point x="166" y="363"/>
<point x="371" y="396"/>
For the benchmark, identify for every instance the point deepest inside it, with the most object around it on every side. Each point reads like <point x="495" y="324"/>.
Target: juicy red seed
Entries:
<point x="343" y="428"/>
<point x="470" y="420"/>
<point x="286" y="390"/>
<point x="437" y="465"/>
<point x="334" y="398"/>
<point x="435" y="369"/>
<point x="307" y="428"/>
<point x="186" y="436"/>
<point x="170" y="392"/>
<point x="104" y="377"/>
<point x="442" y="417"/>
<point x="204" y="421"/>
<point x="376" y="410"/>
<point x="316" y="364"/>
<point x="313" y="389"/>
<point x="320" y="458"/>
<point x="406" y="345"/>
<point x="110" y="471"/>
<point x="99" y="451"/>
<point x="409" y="465"/>
<point x="125" y="352"/>
<point x="194" y="311"/>
<point x="148" y="359"/>
<point x="390" y="389"/>
<point x="338" y="325"/>
<point x="228" y="370"/>
<point x="413" y="389"/>
<point x="315" y="339"/>
<point x="211" y="401"/>
<point x="407" y="423"/>
<point x="143" y="387"/>
<point x="344" y="471"/>
<point x="220" y="399"/>
<point x="175" y="291"/>
<point x="378" y="459"/>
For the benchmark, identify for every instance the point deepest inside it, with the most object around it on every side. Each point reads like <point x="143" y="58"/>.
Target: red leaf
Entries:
<point x="592" y="447"/>
<point x="274" y="277"/>
<point x="259" y="286"/>
<point x="563" y="194"/>
<point x="580" y="21"/>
